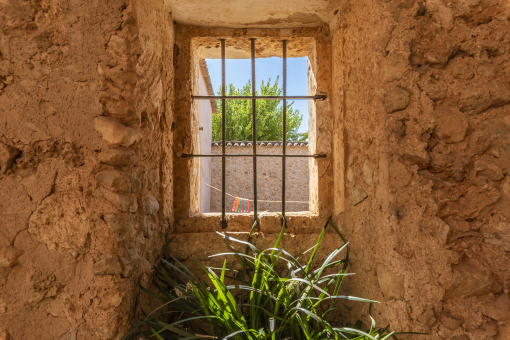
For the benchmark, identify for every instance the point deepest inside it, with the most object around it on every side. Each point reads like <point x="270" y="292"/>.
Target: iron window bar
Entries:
<point x="189" y="155"/>
<point x="316" y="97"/>
<point x="253" y="98"/>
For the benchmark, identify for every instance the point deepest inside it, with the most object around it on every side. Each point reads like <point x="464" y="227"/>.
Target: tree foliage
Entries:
<point x="269" y="116"/>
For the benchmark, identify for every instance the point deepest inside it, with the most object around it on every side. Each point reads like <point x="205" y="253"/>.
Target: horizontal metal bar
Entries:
<point x="322" y="96"/>
<point x="189" y="155"/>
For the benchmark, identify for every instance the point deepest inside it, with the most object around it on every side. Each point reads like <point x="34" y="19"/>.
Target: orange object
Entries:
<point x="234" y="207"/>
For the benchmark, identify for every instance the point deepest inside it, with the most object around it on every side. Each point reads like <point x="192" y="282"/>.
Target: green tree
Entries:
<point x="269" y="116"/>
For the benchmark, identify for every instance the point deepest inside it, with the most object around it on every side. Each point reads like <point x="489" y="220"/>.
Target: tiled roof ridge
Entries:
<point x="261" y="143"/>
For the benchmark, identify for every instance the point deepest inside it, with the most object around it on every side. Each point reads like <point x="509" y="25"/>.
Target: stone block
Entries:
<point x="151" y="205"/>
<point x="368" y="172"/>
<point x="497" y="234"/>
<point x="5" y="336"/>
<point x="350" y="175"/>
<point x="153" y="177"/>
<point x="499" y="93"/>
<point x="428" y="317"/>
<point x="480" y="195"/>
<point x="487" y="70"/>
<point x="503" y="332"/>
<point x="396" y="99"/>
<point x="107" y="264"/>
<point x="490" y="328"/>
<point x="69" y="335"/>
<point x="471" y="279"/>
<point x="399" y="175"/>
<point x="422" y="160"/>
<point x="130" y="262"/>
<point x="479" y="142"/>
<point x="462" y="70"/>
<point x="451" y="124"/>
<point x="498" y="309"/>
<point x="120" y="181"/>
<point x="488" y="169"/>
<point x="432" y="45"/>
<point x="391" y="284"/>
<point x="52" y="305"/>
<point x="434" y="88"/>
<point x="115" y="132"/>
<point x="123" y="202"/>
<point x="9" y="256"/>
<point x="394" y="67"/>
<point x="474" y="100"/>
<point x="119" y="226"/>
<point x="118" y="157"/>
<point x="118" y="45"/>
<point x="444" y="16"/>
<point x="449" y="321"/>
<point x="353" y="258"/>
<point x="7" y="156"/>
<point x="147" y="227"/>
<point x="358" y="195"/>
<point x="120" y="109"/>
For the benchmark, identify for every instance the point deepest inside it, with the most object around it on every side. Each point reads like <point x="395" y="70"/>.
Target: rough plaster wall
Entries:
<point x="84" y="102"/>
<point x="320" y="124"/>
<point x="257" y="14"/>
<point x="239" y="178"/>
<point x="421" y="93"/>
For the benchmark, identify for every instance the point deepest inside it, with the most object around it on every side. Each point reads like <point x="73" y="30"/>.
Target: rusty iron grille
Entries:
<point x="254" y="156"/>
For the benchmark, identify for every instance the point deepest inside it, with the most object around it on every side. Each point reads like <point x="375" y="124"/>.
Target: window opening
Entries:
<point x="223" y="97"/>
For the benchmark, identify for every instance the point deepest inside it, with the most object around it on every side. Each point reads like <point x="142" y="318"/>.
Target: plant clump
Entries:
<point x="293" y="301"/>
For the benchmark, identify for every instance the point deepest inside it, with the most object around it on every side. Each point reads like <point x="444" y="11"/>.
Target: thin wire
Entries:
<point x="226" y="193"/>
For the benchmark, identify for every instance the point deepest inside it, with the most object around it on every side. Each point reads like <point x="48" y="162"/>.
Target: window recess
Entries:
<point x="254" y="156"/>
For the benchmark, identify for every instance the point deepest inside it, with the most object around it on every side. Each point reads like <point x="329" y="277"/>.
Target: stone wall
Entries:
<point x="86" y="95"/>
<point x="415" y="130"/>
<point x="239" y="176"/>
<point x="421" y="92"/>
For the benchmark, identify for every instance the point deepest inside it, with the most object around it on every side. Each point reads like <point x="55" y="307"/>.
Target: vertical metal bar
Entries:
<point x="254" y="128"/>
<point x="284" y="128"/>
<point x="223" y="136"/>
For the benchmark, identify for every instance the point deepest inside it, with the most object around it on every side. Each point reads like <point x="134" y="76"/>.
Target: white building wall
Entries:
<point x="205" y="121"/>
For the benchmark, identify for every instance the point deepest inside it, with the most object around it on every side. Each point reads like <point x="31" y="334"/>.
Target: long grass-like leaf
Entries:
<point x="229" y="238"/>
<point x="310" y="260"/>
<point x="283" y="302"/>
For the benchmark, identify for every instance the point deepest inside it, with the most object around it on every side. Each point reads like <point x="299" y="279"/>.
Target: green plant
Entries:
<point x="293" y="302"/>
<point x="269" y="116"/>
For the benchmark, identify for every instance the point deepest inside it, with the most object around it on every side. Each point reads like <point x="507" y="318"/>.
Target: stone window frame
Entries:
<point x="193" y="44"/>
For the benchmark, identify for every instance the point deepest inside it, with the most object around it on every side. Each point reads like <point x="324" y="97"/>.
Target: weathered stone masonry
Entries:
<point x="87" y="100"/>
<point x="95" y="112"/>
<point x="421" y="113"/>
<point x="239" y="176"/>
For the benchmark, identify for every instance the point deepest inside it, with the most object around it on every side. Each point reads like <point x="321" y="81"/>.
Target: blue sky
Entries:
<point x="238" y="72"/>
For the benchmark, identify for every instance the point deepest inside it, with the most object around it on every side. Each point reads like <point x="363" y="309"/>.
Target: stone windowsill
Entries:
<point x="297" y="222"/>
